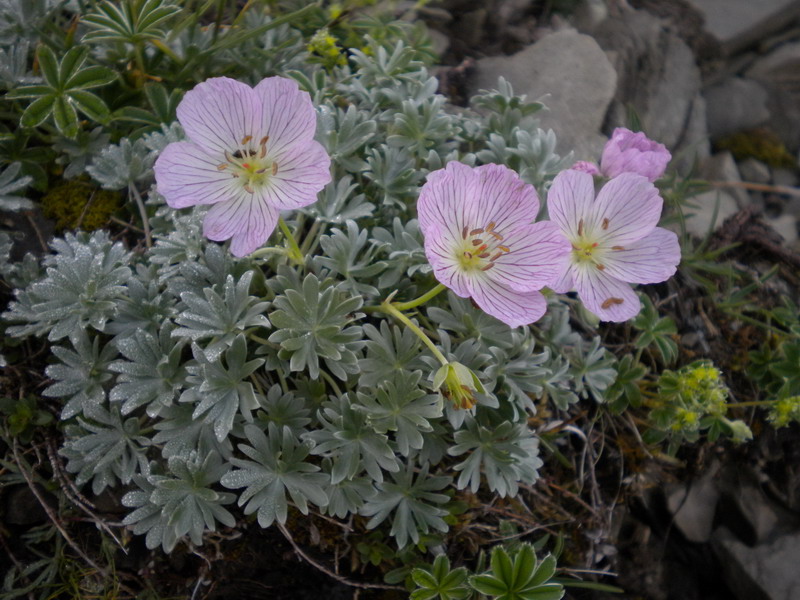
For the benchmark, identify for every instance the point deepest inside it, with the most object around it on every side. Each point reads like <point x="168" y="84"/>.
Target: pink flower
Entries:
<point x="614" y="239"/>
<point x="482" y="243"/>
<point x="250" y="153"/>
<point x="629" y="152"/>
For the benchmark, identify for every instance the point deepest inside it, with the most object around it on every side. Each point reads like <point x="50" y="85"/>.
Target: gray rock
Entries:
<point x="754" y="171"/>
<point x="767" y="571"/>
<point x="722" y="167"/>
<point x="785" y="177"/>
<point x="700" y="219"/>
<point x="658" y="78"/>
<point x="739" y="23"/>
<point x="693" y="507"/>
<point x="735" y="104"/>
<point x="786" y="226"/>
<point x="440" y="41"/>
<point x="470" y="26"/>
<point x="573" y="71"/>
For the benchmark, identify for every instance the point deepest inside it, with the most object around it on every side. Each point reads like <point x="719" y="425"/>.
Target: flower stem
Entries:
<point x="142" y="213"/>
<point x="295" y="255"/>
<point x="421" y="300"/>
<point x="390" y="309"/>
<point x="267" y="251"/>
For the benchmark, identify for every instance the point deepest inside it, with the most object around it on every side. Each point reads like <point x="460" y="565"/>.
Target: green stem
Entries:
<point x="312" y="232"/>
<point x="331" y="382"/>
<point x="751" y="403"/>
<point x="259" y="340"/>
<point x="295" y="255"/>
<point x="391" y="310"/>
<point x="268" y="250"/>
<point x="143" y="214"/>
<point x="421" y="300"/>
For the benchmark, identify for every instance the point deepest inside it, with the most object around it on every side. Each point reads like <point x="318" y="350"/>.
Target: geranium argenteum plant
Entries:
<point x="629" y="152"/>
<point x="251" y="153"/>
<point x="615" y="241"/>
<point x="482" y="243"/>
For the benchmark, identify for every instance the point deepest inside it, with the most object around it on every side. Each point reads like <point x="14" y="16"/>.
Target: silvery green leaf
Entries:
<point x="413" y="502"/>
<point x="338" y="204"/>
<point x="593" y="369"/>
<point x="345" y="255"/>
<point x="153" y="374"/>
<point x="145" y="307"/>
<point x="10" y="183"/>
<point x="117" y="166"/>
<point x="347" y="496"/>
<point x="506" y="453"/>
<point x="470" y="322"/>
<point x="221" y="317"/>
<point x="393" y="174"/>
<point x="348" y="131"/>
<point x="403" y="408"/>
<point x="423" y="127"/>
<point x="277" y="467"/>
<point x="348" y="440"/>
<point x="80" y="375"/>
<point x="404" y="250"/>
<point x="391" y="354"/>
<point x="180" y="433"/>
<point x="219" y="389"/>
<point x="520" y="372"/>
<point x="85" y="278"/>
<point x="14" y="66"/>
<point x="181" y="244"/>
<point x="105" y="449"/>
<point x="76" y="153"/>
<point x="313" y="323"/>
<point x="156" y="141"/>
<point x="283" y="409"/>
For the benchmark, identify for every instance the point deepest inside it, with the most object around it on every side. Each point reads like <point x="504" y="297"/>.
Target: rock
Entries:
<point x="589" y="14"/>
<point x="735" y="104"/>
<point x="699" y="220"/>
<point x="722" y="167"/>
<point x="738" y="23"/>
<point x="470" y="27"/>
<point x="754" y="171"/>
<point x="658" y="78"/>
<point x="576" y="76"/>
<point x="779" y="73"/>
<point x="767" y="571"/>
<point x="786" y="226"/>
<point x="785" y="177"/>
<point x="440" y="41"/>
<point x="693" y="507"/>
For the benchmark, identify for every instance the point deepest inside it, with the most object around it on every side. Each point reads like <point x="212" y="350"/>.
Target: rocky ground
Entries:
<point x="718" y="82"/>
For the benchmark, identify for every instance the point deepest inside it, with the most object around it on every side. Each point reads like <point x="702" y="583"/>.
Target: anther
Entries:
<point x="467" y="254"/>
<point x="496" y="256"/>
<point x="263" y="170"/>
<point x="607" y="303"/>
<point x="464" y="232"/>
<point x="487" y="267"/>
<point x="601" y="267"/>
<point x="482" y="248"/>
<point x="222" y="167"/>
<point x="504" y="248"/>
<point x="618" y="247"/>
<point x="605" y="223"/>
<point x="248" y="189"/>
<point x="274" y="168"/>
<point x="476" y="231"/>
<point x="489" y="227"/>
<point x="484" y="255"/>
<point x="495" y="235"/>
<point x="477" y="242"/>
<point x="580" y="227"/>
<point x="246" y="139"/>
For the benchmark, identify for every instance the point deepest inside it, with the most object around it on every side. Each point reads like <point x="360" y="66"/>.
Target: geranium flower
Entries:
<point x="615" y="241"/>
<point x="629" y="152"/>
<point x="250" y="153"/>
<point x="482" y="243"/>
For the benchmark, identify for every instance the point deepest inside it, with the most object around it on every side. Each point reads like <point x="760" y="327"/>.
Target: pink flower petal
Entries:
<point x="652" y="259"/>
<point x="444" y="195"/>
<point x="503" y="199"/>
<point x="627" y="209"/>
<point x="570" y="199"/>
<point x="538" y="255"/>
<point x="301" y="174"/>
<point x="629" y="152"/>
<point x="564" y="282"/>
<point x="512" y="308"/>
<point x="186" y="175"/>
<point x="439" y="249"/>
<point x="586" y="167"/>
<point x="289" y="115"/>
<point x="248" y="219"/>
<point x="219" y="113"/>
<point x="607" y="297"/>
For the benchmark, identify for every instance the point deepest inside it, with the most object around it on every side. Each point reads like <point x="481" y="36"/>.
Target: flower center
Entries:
<point x="480" y="248"/>
<point x="250" y="164"/>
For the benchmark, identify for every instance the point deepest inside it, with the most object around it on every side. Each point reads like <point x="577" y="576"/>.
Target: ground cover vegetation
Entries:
<point x="293" y="289"/>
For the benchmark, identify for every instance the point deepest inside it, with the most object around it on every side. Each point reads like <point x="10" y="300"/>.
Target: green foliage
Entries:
<point x="439" y="582"/>
<point x="518" y="576"/>
<point x="23" y="417"/>
<point x="64" y="91"/>
<point x="656" y="331"/>
<point x="129" y="21"/>
<point x="10" y="183"/>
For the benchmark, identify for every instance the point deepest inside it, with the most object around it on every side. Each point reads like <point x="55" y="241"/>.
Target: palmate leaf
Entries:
<point x="277" y="467"/>
<point x="314" y="322"/>
<point x="284" y="410"/>
<point x="220" y="316"/>
<point x="64" y="91"/>
<point x="439" y="582"/>
<point x="506" y="454"/>
<point x="593" y="369"/>
<point x="520" y="371"/>
<point x="656" y="331"/>
<point x="105" y="449"/>
<point x="129" y="21"/>
<point x="404" y="250"/>
<point x="413" y="501"/>
<point x="337" y="204"/>
<point x="391" y="354"/>
<point x="351" y="443"/>
<point x="170" y="507"/>
<point x="470" y="322"/>
<point x="346" y="256"/>
<point x="118" y="166"/>
<point x="518" y="577"/>
<point x="10" y="183"/>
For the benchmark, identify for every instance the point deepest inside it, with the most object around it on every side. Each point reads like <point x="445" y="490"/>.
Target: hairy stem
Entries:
<point x="390" y="309"/>
<point x="294" y="252"/>
<point x="422" y="299"/>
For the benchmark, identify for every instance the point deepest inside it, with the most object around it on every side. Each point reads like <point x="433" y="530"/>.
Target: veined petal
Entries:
<point x="219" y="113"/>
<point x="439" y="250"/>
<point x="569" y="200"/>
<point x="512" y="308"/>
<point x="650" y="260"/>
<point x="607" y="297"/>
<point x="289" y="115"/>
<point x="302" y="173"/>
<point x="538" y="255"/>
<point x="564" y="282"/>
<point x="504" y="199"/>
<point x="443" y="198"/>
<point x="627" y="209"/>
<point x="187" y="175"/>
<point x="248" y="219"/>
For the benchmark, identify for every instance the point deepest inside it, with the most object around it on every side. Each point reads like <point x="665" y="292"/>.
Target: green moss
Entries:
<point x="78" y="204"/>
<point x="761" y="144"/>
